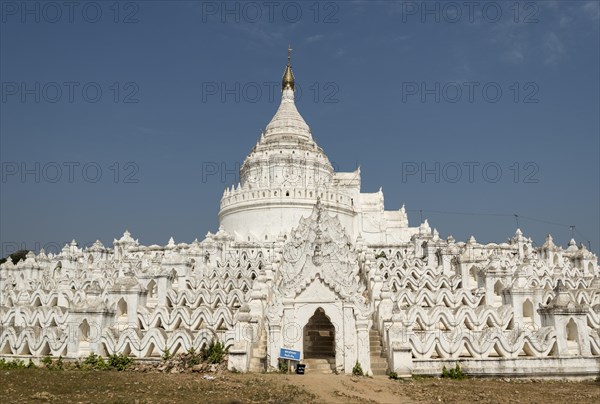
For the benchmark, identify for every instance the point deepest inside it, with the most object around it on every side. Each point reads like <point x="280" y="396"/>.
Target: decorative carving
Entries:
<point x="319" y="247"/>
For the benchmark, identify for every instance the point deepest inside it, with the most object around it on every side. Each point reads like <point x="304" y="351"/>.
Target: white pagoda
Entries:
<point x="304" y="261"/>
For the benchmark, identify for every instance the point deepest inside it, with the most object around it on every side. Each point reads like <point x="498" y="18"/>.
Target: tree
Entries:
<point x="15" y="257"/>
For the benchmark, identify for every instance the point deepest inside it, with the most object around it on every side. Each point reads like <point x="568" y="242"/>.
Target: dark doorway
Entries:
<point x="319" y="337"/>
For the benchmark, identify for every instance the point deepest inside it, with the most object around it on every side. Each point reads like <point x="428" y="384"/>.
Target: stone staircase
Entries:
<point x="379" y="365"/>
<point x="319" y="345"/>
<point x="319" y="365"/>
<point x="258" y="360"/>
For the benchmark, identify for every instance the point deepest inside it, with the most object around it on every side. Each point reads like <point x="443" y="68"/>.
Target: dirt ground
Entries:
<point x="41" y="385"/>
<point x="347" y="389"/>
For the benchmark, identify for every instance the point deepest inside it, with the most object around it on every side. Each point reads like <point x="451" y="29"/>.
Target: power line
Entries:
<point x="546" y="221"/>
<point x="516" y="216"/>
<point x="493" y="214"/>
<point x="458" y="213"/>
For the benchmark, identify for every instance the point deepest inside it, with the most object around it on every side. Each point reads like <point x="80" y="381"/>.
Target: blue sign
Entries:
<point x="289" y="354"/>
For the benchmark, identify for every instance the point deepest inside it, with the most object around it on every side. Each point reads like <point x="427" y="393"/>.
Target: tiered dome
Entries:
<point x="287" y="122"/>
<point x="286" y="145"/>
<point x="281" y="178"/>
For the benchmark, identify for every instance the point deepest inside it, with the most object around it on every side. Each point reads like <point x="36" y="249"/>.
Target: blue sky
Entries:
<point x="115" y="118"/>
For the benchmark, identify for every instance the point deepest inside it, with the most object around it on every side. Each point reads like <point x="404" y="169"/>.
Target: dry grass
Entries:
<point x="41" y="385"/>
<point x="81" y="386"/>
<point x="501" y="391"/>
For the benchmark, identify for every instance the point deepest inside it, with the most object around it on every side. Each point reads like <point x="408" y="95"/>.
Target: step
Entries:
<point x="320" y="343"/>
<point x="329" y="338"/>
<point x="319" y="353"/>
<point x="379" y="364"/>
<point x="319" y="347"/>
<point x="308" y="358"/>
<point x="318" y="361"/>
<point x="258" y="359"/>
<point x="318" y="365"/>
<point x="321" y="366"/>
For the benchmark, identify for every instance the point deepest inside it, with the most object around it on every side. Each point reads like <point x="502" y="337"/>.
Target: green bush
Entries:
<point x="47" y="361"/>
<point x="95" y="362"/>
<point x="393" y="375"/>
<point x="119" y="361"/>
<point x="422" y="377"/>
<point x="215" y="352"/>
<point x="455" y="374"/>
<point x="16" y="364"/>
<point x="357" y="370"/>
<point x="166" y="354"/>
<point x="194" y="358"/>
<point x="51" y="364"/>
<point x="283" y="366"/>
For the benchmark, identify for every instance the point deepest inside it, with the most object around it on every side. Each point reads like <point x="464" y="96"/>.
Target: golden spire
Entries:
<point x="288" y="77"/>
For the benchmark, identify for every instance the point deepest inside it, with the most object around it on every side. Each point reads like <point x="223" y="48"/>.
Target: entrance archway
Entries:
<point x="572" y="338"/>
<point x="84" y="338"/>
<point x="528" y="311"/>
<point x="319" y="337"/>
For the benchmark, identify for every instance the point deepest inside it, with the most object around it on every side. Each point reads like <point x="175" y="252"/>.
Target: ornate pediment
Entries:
<point x="320" y="248"/>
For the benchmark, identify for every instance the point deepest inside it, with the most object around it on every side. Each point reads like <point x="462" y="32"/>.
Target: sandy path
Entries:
<point x="348" y="389"/>
<point x="379" y="389"/>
